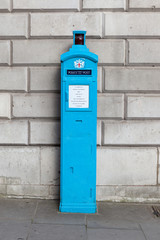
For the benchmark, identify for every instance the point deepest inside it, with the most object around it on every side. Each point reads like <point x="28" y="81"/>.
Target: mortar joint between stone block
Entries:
<point x="11" y="54"/>
<point x="125" y="107"/>
<point x="126" y="5"/>
<point x="126" y="63"/>
<point x="29" y="26"/>
<point x="11" y="6"/>
<point x="28" y="79"/>
<point x="103" y="80"/>
<point x="29" y="129"/>
<point x="102" y="133"/>
<point x="34" y="64"/>
<point x="147" y="10"/>
<point x="80" y="5"/>
<point x="103" y="25"/>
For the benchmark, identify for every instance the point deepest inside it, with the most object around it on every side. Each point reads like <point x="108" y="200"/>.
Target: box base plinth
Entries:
<point x="78" y="208"/>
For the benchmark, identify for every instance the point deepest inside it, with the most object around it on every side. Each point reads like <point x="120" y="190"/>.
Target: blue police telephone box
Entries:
<point x="78" y="128"/>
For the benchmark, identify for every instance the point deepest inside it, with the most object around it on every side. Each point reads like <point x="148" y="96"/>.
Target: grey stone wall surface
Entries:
<point x="125" y="34"/>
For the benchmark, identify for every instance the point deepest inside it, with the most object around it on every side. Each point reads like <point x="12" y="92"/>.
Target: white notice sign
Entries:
<point x="78" y="96"/>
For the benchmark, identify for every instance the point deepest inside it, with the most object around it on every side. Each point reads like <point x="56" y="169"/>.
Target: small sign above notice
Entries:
<point x="78" y="96"/>
<point x="79" y="63"/>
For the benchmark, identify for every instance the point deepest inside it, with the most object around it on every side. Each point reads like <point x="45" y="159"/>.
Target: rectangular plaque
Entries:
<point x="79" y="72"/>
<point x="78" y="96"/>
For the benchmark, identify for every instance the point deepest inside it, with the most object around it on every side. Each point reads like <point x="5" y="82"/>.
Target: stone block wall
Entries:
<point x="125" y="35"/>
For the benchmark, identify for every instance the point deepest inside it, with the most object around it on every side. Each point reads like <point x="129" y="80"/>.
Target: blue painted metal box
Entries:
<point x="78" y="128"/>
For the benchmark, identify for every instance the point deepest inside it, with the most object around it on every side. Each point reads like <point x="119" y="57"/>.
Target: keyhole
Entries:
<point x="72" y="169"/>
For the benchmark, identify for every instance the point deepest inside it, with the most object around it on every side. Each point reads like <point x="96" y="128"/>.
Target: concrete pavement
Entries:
<point x="24" y="219"/>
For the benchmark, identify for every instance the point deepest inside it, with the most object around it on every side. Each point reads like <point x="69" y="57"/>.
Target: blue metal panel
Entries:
<point x="78" y="129"/>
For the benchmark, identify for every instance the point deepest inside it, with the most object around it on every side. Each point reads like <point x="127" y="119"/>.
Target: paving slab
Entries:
<point x="17" y="210"/>
<point x="47" y="212"/>
<point x="120" y="216"/>
<point x="129" y="212"/>
<point x="151" y="230"/>
<point x="104" y="222"/>
<point x="114" y="234"/>
<point x="57" y="232"/>
<point x="14" y="231"/>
